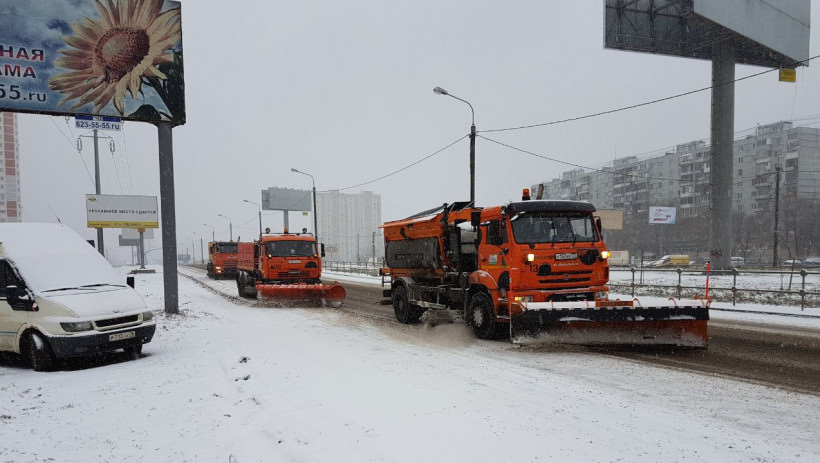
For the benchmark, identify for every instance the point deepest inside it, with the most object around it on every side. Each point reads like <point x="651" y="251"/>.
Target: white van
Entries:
<point x="60" y="298"/>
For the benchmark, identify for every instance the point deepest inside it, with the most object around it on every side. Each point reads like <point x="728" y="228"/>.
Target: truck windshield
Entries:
<point x="227" y="248"/>
<point x="551" y="227"/>
<point x="290" y="248"/>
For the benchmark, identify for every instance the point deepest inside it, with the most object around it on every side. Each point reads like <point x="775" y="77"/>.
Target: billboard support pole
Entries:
<point x="722" y="140"/>
<point x="168" y="218"/>
<point x="142" y="249"/>
<point x="97" y="190"/>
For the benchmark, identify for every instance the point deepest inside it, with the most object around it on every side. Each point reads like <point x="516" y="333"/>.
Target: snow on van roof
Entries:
<point x="51" y="256"/>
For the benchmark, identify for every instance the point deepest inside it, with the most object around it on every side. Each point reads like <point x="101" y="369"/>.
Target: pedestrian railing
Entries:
<point x="738" y="285"/>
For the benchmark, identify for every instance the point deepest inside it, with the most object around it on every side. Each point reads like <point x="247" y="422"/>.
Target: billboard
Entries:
<point x="118" y="211"/>
<point x="780" y="25"/>
<point x="772" y="33"/>
<point x="662" y="215"/>
<point x="286" y="199"/>
<point x="116" y="58"/>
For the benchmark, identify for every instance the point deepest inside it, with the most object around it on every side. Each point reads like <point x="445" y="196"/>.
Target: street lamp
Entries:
<point x="260" y="216"/>
<point x="201" y="247"/>
<point x="441" y="91"/>
<point x="213" y="234"/>
<point x="315" y="214"/>
<point x="230" y="224"/>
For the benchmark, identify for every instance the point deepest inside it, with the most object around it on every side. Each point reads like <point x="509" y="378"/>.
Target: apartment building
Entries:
<point x="10" y="208"/>
<point x="681" y="177"/>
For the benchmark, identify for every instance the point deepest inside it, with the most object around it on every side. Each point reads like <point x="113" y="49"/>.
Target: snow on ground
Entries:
<point x="227" y="381"/>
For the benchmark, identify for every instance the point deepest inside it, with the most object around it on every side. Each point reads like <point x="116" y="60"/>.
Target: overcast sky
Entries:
<point x="343" y="91"/>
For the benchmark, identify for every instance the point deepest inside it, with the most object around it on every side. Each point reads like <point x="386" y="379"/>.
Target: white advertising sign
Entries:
<point x="118" y="211"/>
<point x="662" y="215"/>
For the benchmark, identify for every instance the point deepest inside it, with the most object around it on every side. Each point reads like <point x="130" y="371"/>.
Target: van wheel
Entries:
<point x="405" y="312"/>
<point x="38" y="353"/>
<point x="482" y="316"/>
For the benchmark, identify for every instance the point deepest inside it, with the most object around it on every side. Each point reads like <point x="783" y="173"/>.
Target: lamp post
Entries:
<point x="201" y="247"/>
<point x="230" y="224"/>
<point x="441" y="91"/>
<point x="260" y="216"/>
<point x="213" y="234"/>
<point x="315" y="212"/>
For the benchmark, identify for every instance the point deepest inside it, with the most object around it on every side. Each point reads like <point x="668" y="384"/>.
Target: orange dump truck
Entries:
<point x="221" y="259"/>
<point x="284" y="268"/>
<point x="531" y="268"/>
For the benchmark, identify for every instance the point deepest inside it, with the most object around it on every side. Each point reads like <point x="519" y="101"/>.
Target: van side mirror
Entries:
<point x="20" y="299"/>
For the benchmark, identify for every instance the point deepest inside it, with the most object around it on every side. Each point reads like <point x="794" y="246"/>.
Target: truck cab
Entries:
<point x="222" y="259"/>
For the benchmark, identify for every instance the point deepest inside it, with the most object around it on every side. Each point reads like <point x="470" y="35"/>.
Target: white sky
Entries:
<point x="343" y="91"/>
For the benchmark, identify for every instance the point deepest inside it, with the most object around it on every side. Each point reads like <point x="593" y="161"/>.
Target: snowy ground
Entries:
<point x="228" y="382"/>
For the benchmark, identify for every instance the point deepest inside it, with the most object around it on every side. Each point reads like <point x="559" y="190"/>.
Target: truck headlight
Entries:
<point x="601" y="295"/>
<point x="530" y="257"/>
<point x="523" y="298"/>
<point x="604" y="254"/>
<point x="146" y="316"/>
<point x="74" y="327"/>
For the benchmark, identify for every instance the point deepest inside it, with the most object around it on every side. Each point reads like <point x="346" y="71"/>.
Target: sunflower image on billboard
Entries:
<point x="120" y="58"/>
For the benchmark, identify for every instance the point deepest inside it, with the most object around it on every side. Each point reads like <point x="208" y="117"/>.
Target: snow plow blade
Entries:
<point x="332" y="294"/>
<point x="645" y="321"/>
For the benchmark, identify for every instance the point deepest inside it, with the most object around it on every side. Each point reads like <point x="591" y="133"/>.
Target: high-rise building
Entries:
<point x="10" y="210"/>
<point x="681" y="178"/>
<point x="349" y="225"/>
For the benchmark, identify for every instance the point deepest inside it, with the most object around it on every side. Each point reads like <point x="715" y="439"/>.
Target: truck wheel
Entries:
<point x="405" y="312"/>
<point x="39" y="353"/>
<point x="482" y="316"/>
<point x="210" y="271"/>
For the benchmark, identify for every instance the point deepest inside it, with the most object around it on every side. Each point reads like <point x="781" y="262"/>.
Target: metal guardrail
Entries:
<point x="807" y="292"/>
<point x="744" y="285"/>
<point x="362" y="268"/>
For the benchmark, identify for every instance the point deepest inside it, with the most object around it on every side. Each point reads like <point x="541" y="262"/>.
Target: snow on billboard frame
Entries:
<point x="121" y="211"/>
<point x="764" y="33"/>
<point x="44" y="60"/>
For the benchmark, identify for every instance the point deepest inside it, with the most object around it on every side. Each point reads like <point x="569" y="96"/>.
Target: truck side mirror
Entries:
<point x="129" y="280"/>
<point x="322" y="247"/>
<point x="475" y="218"/>
<point x="598" y="223"/>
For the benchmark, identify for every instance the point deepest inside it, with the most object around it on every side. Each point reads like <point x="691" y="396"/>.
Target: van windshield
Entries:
<point x="290" y="248"/>
<point x="552" y="227"/>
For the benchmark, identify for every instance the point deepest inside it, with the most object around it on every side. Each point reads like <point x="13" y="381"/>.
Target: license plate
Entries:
<point x="121" y="336"/>
<point x="294" y="261"/>
<point x="566" y="256"/>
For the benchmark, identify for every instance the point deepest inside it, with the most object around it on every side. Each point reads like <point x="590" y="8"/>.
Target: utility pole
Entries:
<point x="98" y="190"/>
<point x="775" y="259"/>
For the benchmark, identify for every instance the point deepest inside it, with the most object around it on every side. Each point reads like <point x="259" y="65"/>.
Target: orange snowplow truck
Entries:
<point x="531" y="268"/>
<point x="284" y="267"/>
<point x="221" y="259"/>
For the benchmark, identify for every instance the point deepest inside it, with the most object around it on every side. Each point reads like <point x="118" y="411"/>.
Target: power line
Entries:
<point x="659" y="100"/>
<point x="73" y="146"/>
<point x="405" y="167"/>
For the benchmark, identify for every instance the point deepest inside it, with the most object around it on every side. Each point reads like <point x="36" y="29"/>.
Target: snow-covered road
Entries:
<point x="232" y="382"/>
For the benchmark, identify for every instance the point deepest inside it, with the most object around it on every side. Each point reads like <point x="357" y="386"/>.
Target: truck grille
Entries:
<point x="292" y="275"/>
<point x="574" y="276"/>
